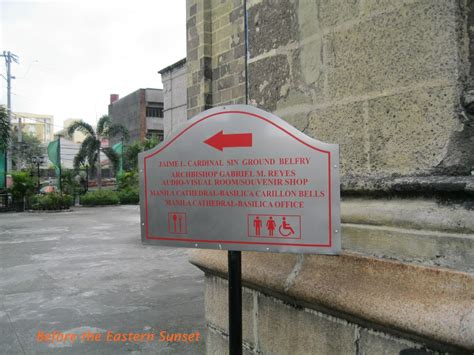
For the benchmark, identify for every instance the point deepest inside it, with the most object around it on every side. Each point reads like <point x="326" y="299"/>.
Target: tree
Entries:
<point x="24" y="153"/>
<point x="5" y="131"/>
<point x="91" y="147"/>
<point x="23" y="184"/>
<point x="132" y="151"/>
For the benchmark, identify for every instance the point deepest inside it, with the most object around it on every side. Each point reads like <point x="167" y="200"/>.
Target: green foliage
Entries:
<point x="131" y="151"/>
<point x="100" y="198"/>
<point x="129" y="196"/>
<point x="23" y="153"/>
<point x="69" y="183"/>
<point x="105" y="128"/>
<point x="23" y="185"/>
<point x="88" y="153"/>
<point x="51" y="201"/>
<point x="113" y="157"/>
<point x="90" y="146"/>
<point x="5" y="131"/>
<point x="151" y="142"/>
<point x="80" y="126"/>
<point x="127" y="184"/>
<point x="130" y="156"/>
<point x="127" y="180"/>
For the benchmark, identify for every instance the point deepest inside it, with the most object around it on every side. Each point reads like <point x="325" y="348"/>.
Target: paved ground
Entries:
<point x="86" y="270"/>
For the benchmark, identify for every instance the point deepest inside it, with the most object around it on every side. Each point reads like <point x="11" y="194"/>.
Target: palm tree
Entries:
<point x="91" y="146"/>
<point x="5" y="131"/>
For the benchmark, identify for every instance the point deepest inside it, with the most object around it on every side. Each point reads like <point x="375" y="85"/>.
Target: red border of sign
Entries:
<point x="232" y="241"/>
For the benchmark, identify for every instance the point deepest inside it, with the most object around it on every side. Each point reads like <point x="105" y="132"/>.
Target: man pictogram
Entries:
<point x="175" y="217"/>
<point x="271" y="225"/>
<point x="257" y="223"/>
<point x="177" y="223"/>
<point x="287" y="227"/>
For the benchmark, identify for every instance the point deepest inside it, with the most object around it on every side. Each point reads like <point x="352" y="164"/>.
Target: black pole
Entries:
<point x="87" y="178"/>
<point x="235" y="257"/>
<point x="59" y="162"/>
<point x="39" y="178"/>
<point x="121" y="155"/>
<point x="5" y="168"/>
<point x="246" y="49"/>
<point x="235" y="302"/>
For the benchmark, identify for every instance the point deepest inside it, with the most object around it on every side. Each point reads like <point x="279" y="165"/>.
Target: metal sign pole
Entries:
<point x="235" y="257"/>
<point x="235" y="302"/>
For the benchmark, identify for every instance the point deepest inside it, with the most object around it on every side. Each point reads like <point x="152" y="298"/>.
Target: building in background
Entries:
<point x="141" y="112"/>
<point x="77" y="137"/>
<point x="40" y="126"/>
<point x="68" y="150"/>
<point x="173" y="78"/>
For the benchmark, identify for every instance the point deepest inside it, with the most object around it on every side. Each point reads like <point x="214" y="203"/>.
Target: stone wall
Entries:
<point x="344" y="67"/>
<point x="216" y="54"/>
<point x="404" y="281"/>
<point x="335" y="69"/>
<point x="391" y="83"/>
<point x="273" y="326"/>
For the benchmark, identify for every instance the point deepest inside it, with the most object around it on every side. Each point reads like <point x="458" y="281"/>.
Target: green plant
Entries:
<point x="127" y="180"/>
<point x="5" y="131"/>
<point x="69" y="182"/>
<point x="131" y="151"/>
<point x="100" y="198"/>
<point x="91" y="146"/>
<point x="23" y="185"/>
<point x="24" y="152"/>
<point x="51" y="201"/>
<point x="129" y="196"/>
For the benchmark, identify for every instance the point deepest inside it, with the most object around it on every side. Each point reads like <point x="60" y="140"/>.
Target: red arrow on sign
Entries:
<point x="221" y="140"/>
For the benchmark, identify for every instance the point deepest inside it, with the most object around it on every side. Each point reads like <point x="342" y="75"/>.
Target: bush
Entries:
<point x="23" y="185"/>
<point x="70" y="182"/>
<point x="129" y="196"/>
<point x="127" y="180"/>
<point x="51" y="201"/>
<point x="100" y="198"/>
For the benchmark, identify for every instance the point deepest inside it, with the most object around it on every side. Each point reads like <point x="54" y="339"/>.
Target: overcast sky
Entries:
<point x="75" y="53"/>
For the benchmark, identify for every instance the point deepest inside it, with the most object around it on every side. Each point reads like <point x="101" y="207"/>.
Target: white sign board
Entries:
<point x="239" y="178"/>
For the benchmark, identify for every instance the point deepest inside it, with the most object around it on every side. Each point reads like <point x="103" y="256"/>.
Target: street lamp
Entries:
<point x="38" y="160"/>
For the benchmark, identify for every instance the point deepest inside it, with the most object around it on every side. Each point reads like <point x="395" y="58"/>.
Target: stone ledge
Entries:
<point x="424" y="247"/>
<point x="429" y="303"/>
<point x="424" y="214"/>
<point x="418" y="185"/>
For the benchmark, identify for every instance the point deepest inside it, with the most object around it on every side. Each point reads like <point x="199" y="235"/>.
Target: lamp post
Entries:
<point x="38" y="160"/>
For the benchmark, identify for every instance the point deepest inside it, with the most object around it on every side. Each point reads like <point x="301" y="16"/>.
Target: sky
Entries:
<point x="74" y="53"/>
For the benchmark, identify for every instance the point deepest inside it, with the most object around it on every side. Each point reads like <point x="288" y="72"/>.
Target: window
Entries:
<point x="154" y="111"/>
<point x="158" y="134"/>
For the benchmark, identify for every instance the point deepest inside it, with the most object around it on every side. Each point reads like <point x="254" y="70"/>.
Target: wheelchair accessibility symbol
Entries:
<point x="274" y="226"/>
<point x="285" y="229"/>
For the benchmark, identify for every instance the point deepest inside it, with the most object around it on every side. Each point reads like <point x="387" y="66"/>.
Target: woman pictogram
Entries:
<point x="271" y="225"/>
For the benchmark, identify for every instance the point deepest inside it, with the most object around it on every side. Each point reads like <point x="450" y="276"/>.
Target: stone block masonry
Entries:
<point x="332" y="66"/>
<point x="390" y="82"/>
<point x="394" y="72"/>
<point x="216" y="58"/>
<point x="336" y="305"/>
